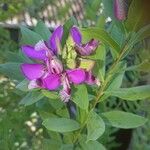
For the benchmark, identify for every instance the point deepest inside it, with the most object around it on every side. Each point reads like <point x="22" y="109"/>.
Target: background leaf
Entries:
<point x="31" y="98"/>
<point x="11" y="70"/>
<point x="29" y="36"/>
<point x="42" y="30"/>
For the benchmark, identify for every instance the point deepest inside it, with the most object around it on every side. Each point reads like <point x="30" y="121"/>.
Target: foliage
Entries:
<point x="94" y="107"/>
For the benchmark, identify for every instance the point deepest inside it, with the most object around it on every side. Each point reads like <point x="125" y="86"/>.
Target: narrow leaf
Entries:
<point x="11" y="70"/>
<point x="29" y="37"/>
<point x="42" y="30"/>
<point x="31" y="98"/>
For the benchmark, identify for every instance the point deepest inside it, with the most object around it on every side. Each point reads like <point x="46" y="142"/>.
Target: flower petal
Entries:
<point x="76" y="76"/>
<point x="52" y="82"/>
<point x="76" y="35"/>
<point x="55" y="39"/>
<point x="88" y="48"/>
<point x="33" y="84"/>
<point x="41" y="45"/>
<point x="91" y="79"/>
<point x="32" y="71"/>
<point x="32" y="53"/>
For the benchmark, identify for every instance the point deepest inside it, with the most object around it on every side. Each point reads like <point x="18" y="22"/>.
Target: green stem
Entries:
<point x="101" y="91"/>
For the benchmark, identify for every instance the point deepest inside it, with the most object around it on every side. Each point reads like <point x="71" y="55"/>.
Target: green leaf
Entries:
<point x="61" y="124"/>
<point x="132" y="94"/>
<point x="29" y="37"/>
<point x="11" y="70"/>
<point x="50" y="143"/>
<point x="124" y="120"/>
<point x="31" y="97"/>
<point x="144" y="66"/>
<point x="92" y="145"/>
<point x="143" y="33"/>
<point x="23" y="85"/>
<point x="42" y="30"/>
<point x="116" y="76"/>
<point x="80" y="96"/>
<point x="137" y="15"/>
<point x="95" y="126"/>
<point x="50" y="94"/>
<point x="101" y="35"/>
<point x="66" y="147"/>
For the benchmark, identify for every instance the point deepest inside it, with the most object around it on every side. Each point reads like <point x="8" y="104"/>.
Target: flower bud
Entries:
<point x="120" y="10"/>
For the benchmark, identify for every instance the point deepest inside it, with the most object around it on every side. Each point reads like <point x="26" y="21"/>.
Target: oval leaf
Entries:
<point x="134" y="93"/>
<point x="61" y="124"/>
<point x="95" y="126"/>
<point x="80" y="96"/>
<point x="124" y="120"/>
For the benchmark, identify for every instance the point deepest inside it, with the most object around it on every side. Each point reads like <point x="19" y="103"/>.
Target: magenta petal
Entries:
<point x="32" y="53"/>
<point x="76" y="76"/>
<point x="55" y="39"/>
<point x="91" y="79"/>
<point x="32" y="71"/>
<point x="52" y="82"/>
<point x="88" y="48"/>
<point x="76" y="35"/>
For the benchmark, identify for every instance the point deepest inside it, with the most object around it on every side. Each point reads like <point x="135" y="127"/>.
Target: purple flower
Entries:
<point x="83" y="49"/>
<point x="49" y="73"/>
<point x="44" y="49"/>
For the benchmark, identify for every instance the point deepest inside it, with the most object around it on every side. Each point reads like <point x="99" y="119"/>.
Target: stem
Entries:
<point x="102" y="89"/>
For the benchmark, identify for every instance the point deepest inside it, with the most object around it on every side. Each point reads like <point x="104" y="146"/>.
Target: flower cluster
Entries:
<point x="49" y="70"/>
